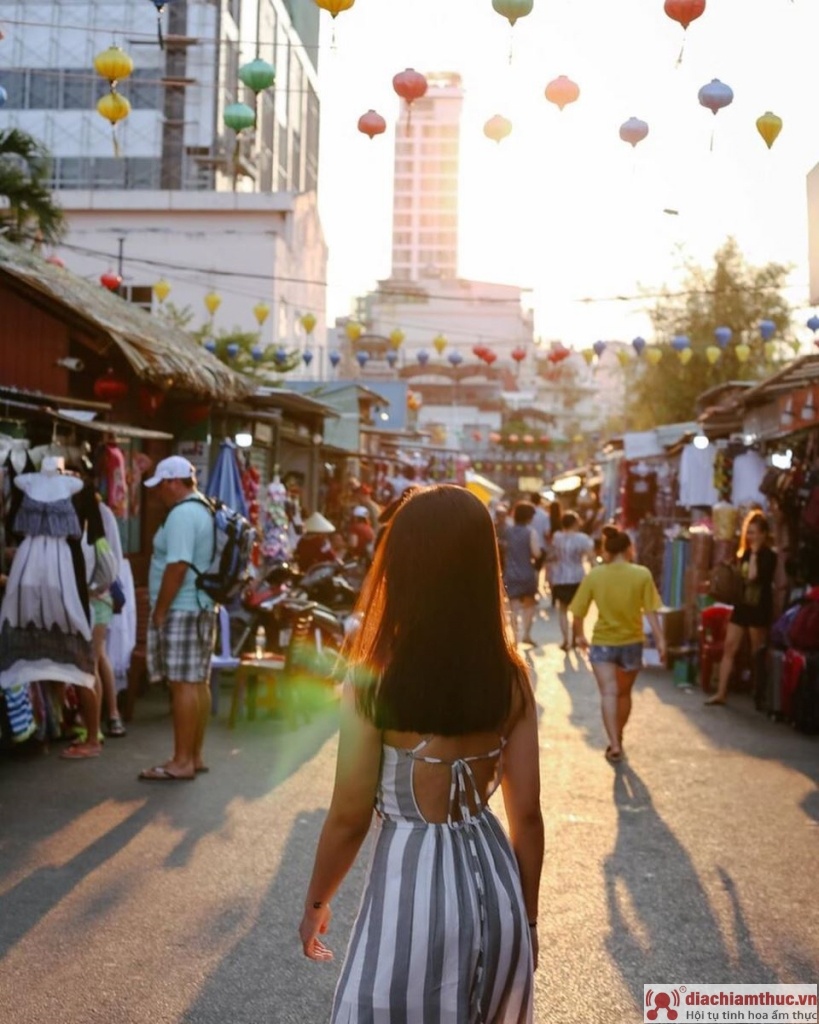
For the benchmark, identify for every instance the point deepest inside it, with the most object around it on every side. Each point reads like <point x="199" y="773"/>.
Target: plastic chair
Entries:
<point x="711" y="633"/>
<point x="224" y="661"/>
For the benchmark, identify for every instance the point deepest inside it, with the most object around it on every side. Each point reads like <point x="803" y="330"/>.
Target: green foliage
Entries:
<point x="30" y="214"/>
<point x="732" y="294"/>
<point x="273" y="361"/>
<point x="179" y="316"/>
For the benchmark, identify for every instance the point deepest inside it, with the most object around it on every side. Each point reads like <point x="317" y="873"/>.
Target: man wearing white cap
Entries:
<point x="182" y="624"/>
<point x="314" y="544"/>
<point x="361" y="536"/>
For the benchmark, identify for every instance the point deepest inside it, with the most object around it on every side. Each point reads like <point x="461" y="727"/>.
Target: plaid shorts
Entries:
<point x="181" y="650"/>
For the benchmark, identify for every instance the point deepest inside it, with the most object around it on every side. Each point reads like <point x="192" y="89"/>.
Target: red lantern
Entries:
<point x="544" y="438"/>
<point x="519" y="354"/>
<point x="150" y="399"/>
<point x="195" y="412"/>
<point x="684" y="11"/>
<point x="489" y="357"/>
<point x="528" y="439"/>
<point x="109" y="387"/>
<point x="479" y="350"/>
<point x="372" y="124"/>
<point x="110" y="280"/>
<point x="410" y="85"/>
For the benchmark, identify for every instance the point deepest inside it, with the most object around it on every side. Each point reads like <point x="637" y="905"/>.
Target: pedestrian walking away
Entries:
<point x="182" y="623"/>
<point x="568" y="551"/>
<point x="437" y="713"/>
<point x="522" y="551"/>
<point x="623" y="593"/>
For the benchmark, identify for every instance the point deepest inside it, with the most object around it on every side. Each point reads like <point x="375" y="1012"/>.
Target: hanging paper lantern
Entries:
<point x="769" y="347"/>
<point x="308" y="322"/>
<point x="769" y="126"/>
<point x="114" y="65"/>
<point x="114" y="108"/>
<point x="497" y="128"/>
<point x="335" y="7"/>
<point x="423" y="357"/>
<point x="257" y="352"/>
<point x="257" y="75"/>
<point x="372" y="124"/>
<point x="239" y="116"/>
<point x="160" y="7"/>
<point x="638" y="344"/>
<point x="680" y="342"/>
<point x="361" y="358"/>
<point x="715" y="95"/>
<point x="528" y="439"/>
<point x="479" y="350"/>
<point x="410" y="85"/>
<point x="335" y="358"/>
<point x="633" y="131"/>
<point x="742" y="352"/>
<point x="513" y="9"/>
<point x="307" y="357"/>
<point x="767" y="329"/>
<point x="561" y="91"/>
<point x="685" y="355"/>
<point x="489" y="357"/>
<point x="392" y="358"/>
<point x="684" y="11"/>
<point x="110" y="280"/>
<point x="353" y="330"/>
<point x="439" y="343"/>
<point x="713" y="354"/>
<point x="513" y="439"/>
<point x="212" y="302"/>
<point x="723" y="336"/>
<point x="813" y="323"/>
<point x="209" y="344"/>
<point x="396" y="337"/>
<point x="455" y="358"/>
<point x="261" y="311"/>
<point x="653" y="354"/>
<point x="162" y="290"/>
<point x="149" y="399"/>
<point x="599" y="347"/>
<point x="588" y="354"/>
<point x="544" y="439"/>
<point x="494" y="437"/>
<point x="518" y="354"/>
<point x="280" y="356"/>
<point x="195" y="412"/>
<point x="232" y="350"/>
<point x="110" y="387"/>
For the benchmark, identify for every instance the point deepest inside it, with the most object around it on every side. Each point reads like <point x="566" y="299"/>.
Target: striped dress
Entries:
<point x="441" y="936"/>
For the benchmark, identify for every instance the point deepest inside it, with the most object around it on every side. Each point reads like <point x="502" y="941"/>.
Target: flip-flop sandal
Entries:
<point x="116" y="728"/>
<point x="79" y="752"/>
<point x="202" y="769"/>
<point x="161" y="774"/>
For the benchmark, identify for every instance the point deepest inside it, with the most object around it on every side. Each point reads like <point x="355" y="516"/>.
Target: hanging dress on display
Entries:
<point x="45" y="631"/>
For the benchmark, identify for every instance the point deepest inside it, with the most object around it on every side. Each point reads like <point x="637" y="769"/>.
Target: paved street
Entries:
<point x="126" y="902"/>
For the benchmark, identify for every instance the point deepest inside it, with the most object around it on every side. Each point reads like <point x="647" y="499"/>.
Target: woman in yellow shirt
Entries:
<point x="623" y="593"/>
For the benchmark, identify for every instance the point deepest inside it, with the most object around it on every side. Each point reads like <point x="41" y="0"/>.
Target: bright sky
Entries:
<point x="563" y="206"/>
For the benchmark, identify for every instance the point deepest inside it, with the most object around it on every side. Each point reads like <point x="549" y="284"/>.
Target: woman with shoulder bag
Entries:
<point x="754" y="607"/>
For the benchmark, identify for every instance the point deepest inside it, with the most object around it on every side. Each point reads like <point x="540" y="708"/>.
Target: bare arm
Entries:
<point x="172" y="580"/>
<point x="521" y="798"/>
<point x="347" y="822"/>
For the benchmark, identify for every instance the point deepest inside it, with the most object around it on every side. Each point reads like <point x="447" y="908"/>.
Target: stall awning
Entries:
<point x="117" y="429"/>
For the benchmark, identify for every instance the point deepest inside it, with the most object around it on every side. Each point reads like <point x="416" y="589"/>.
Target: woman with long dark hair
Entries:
<point x="754" y="609"/>
<point x="623" y="593"/>
<point x="436" y="713"/>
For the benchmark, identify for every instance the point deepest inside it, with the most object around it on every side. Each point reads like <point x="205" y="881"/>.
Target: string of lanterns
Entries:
<point x="115" y="66"/>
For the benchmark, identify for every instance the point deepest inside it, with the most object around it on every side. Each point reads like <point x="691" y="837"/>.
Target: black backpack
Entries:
<point x="233" y="540"/>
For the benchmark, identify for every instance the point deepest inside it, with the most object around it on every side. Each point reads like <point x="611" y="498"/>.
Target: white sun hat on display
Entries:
<point x="316" y="523"/>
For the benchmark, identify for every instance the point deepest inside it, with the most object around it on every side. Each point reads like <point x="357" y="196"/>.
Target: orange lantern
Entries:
<point x="562" y="90"/>
<point x="497" y="128"/>
<point x="335" y="7"/>
<point x="372" y="124"/>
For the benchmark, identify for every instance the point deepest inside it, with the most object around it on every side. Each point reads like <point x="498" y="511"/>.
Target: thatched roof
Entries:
<point x="157" y="351"/>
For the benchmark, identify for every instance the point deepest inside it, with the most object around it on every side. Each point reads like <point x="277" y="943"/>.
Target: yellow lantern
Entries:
<point x="769" y="126"/>
<point x="335" y="7"/>
<point x="770" y="350"/>
<point x="653" y="354"/>
<point x="308" y="322"/>
<point x="261" y="311"/>
<point x="354" y="331"/>
<point x="113" y="107"/>
<point x="713" y="353"/>
<point x="396" y="337"/>
<point x="113" y="64"/>
<point x="212" y="302"/>
<point x="162" y="290"/>
<point x="588" y="355"/>
<point x="439" y="344"/>
<point x="685" y="355"/>
<point x="742" y="351"/>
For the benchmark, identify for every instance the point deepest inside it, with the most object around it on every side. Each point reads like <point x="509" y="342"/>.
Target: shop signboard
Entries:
<point x="197" y="453"/>
<point x="799" y="409"/>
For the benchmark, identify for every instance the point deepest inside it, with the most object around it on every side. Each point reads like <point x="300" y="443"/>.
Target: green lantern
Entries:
<point x="239" y="116"/>
<point x="258" y="75"/>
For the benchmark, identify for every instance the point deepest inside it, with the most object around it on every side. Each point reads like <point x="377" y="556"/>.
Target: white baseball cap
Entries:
<point x="175" y="467"/>
<point x="361" y="512"/>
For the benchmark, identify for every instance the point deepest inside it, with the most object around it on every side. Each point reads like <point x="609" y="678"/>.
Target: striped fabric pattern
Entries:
<point x="441" y="935"/>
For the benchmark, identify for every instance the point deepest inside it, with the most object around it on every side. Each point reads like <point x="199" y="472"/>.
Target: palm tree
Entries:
<point x="28" y="211"/>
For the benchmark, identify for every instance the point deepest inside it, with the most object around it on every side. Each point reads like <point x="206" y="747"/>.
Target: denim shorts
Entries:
<point x="628" y="657"/>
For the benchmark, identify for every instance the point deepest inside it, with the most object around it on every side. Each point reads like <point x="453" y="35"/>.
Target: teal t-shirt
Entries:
<point x="185" y="536"/>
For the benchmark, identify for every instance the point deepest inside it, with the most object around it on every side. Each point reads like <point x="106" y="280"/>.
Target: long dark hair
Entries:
<point x="755" y="518"/>
<point x="432" y="654"/>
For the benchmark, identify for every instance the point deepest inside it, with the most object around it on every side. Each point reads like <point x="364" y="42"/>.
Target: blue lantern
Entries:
<point x="813" y="323"/>
<point x="279" y="356"/>
<point x="767" y="329"/>
<point x="638" y="344"/>
<point x="680" y="342"/>
<point x="599" y="348"/>
<point x="392" y="358"/>
<point x="233" y="350"/>
<point x="307" y="357"/>
<point x="423" y="357"/>
<point x="3" y="96"/>
<point x="335" y="358"/>
<point x="210" y="344"/>
<point x="723" y="336"/>
<point x="257" y="352"/>
<point x="361" y="358"/>
<point x="455" y="358"/>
